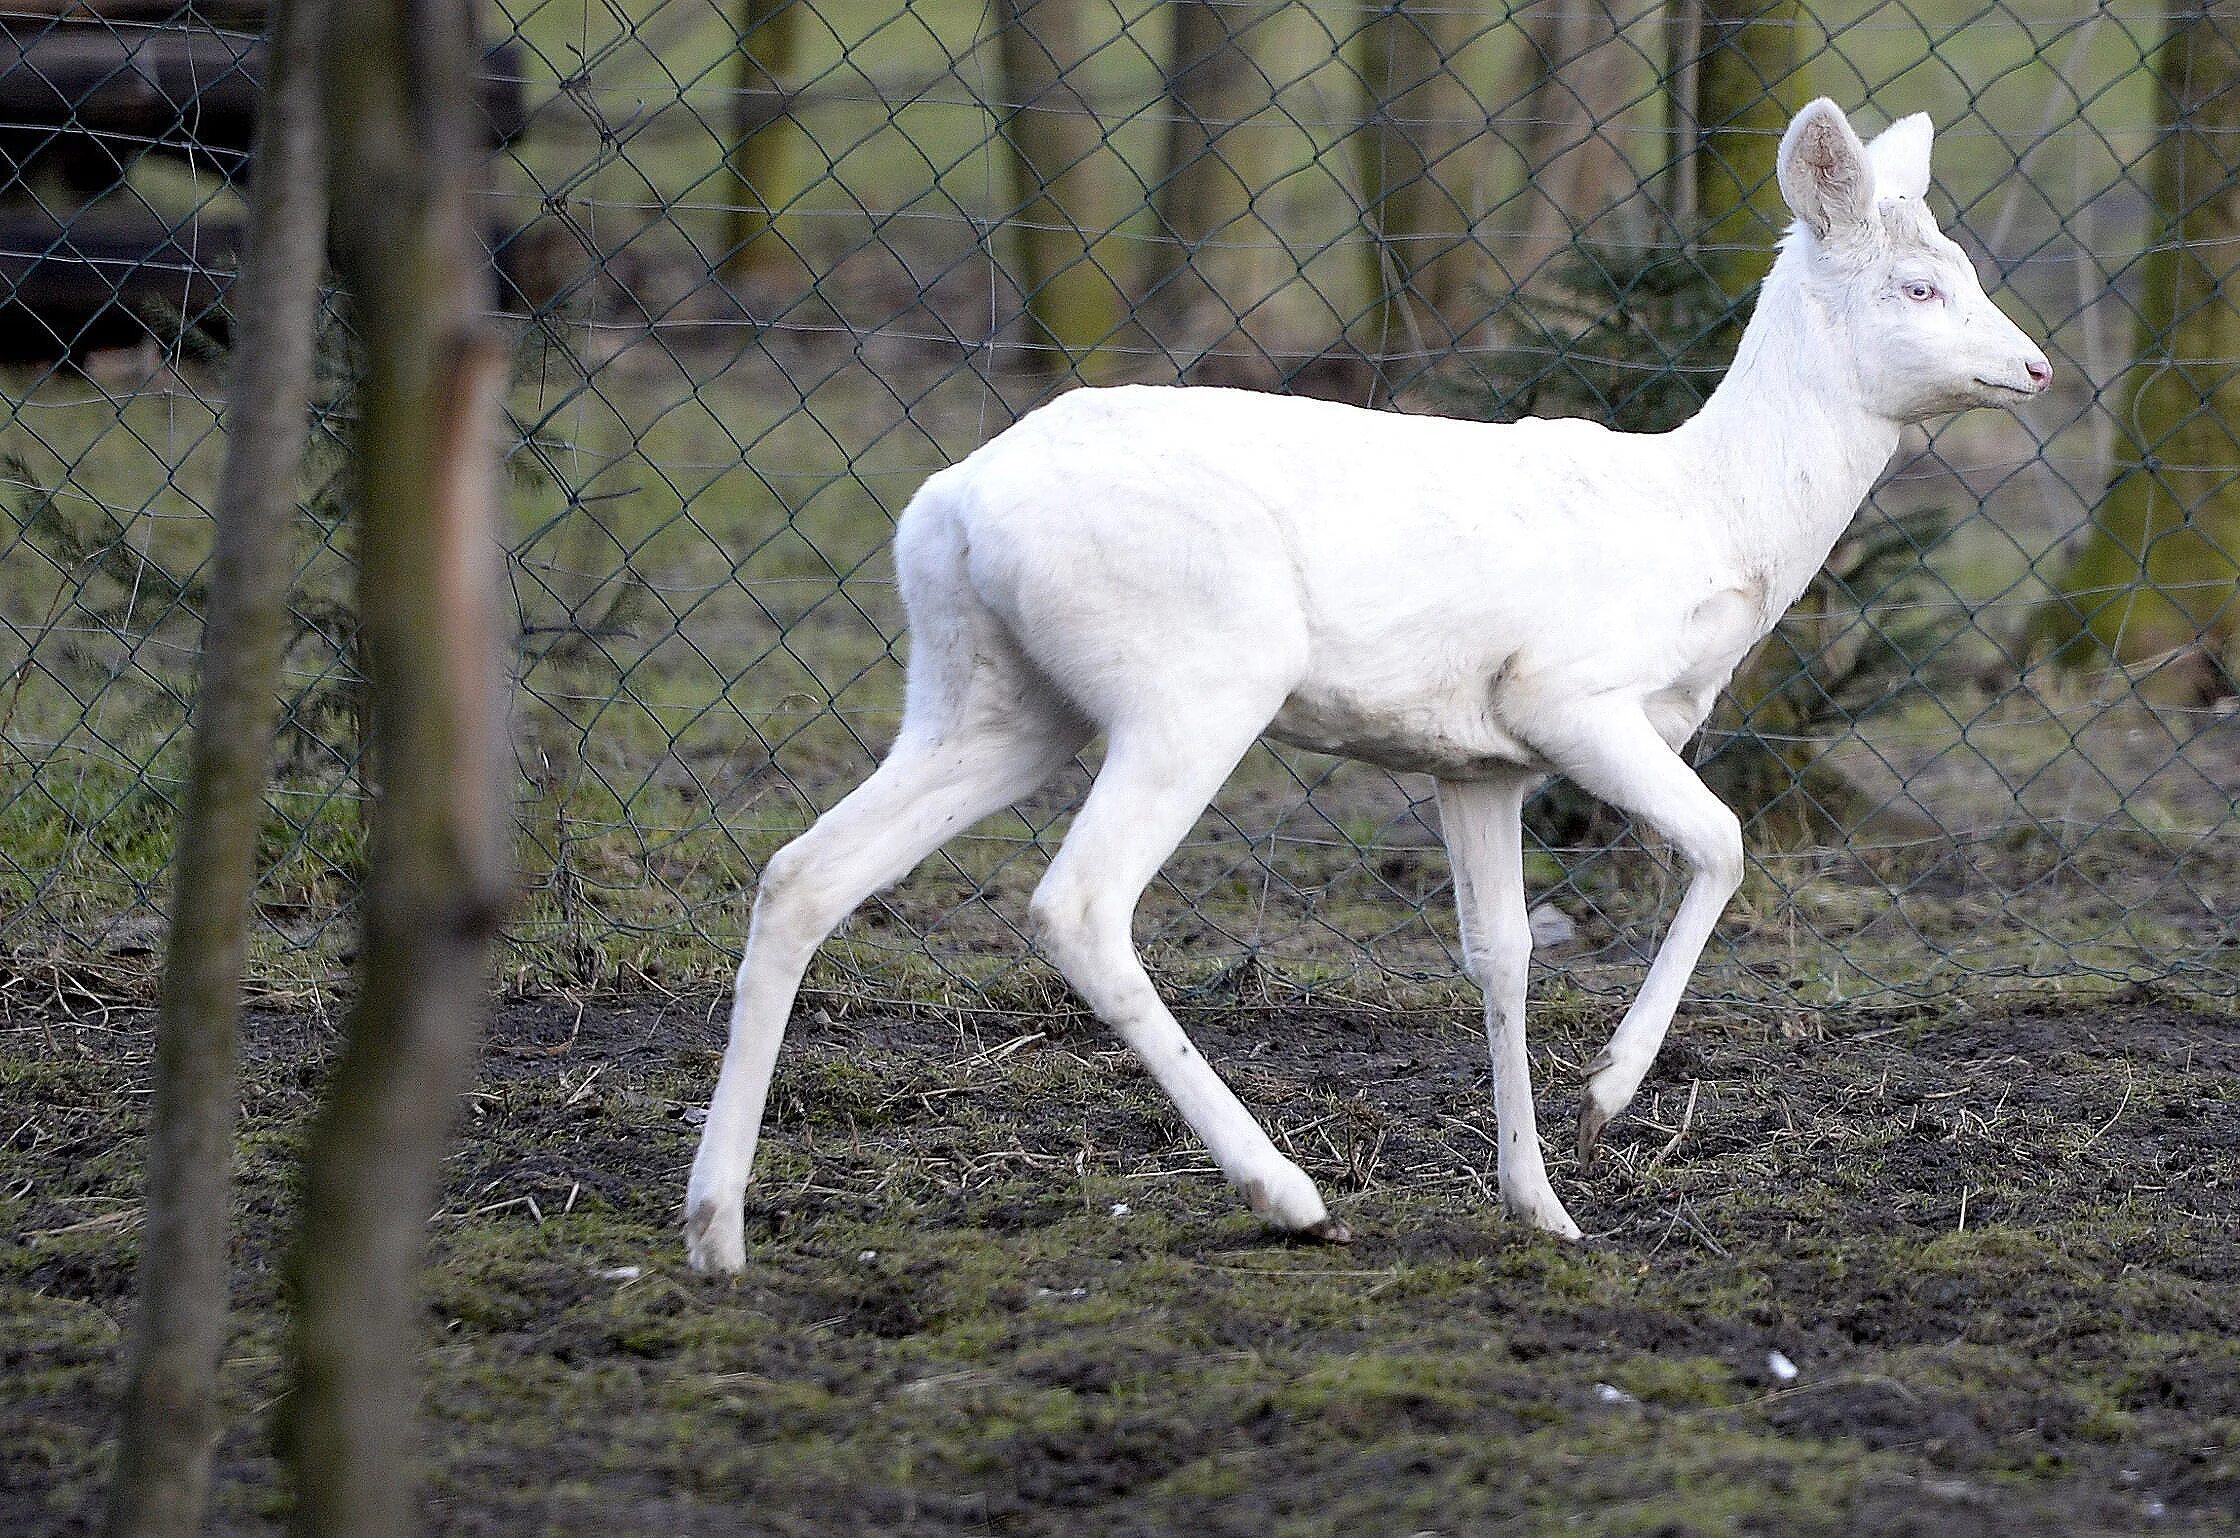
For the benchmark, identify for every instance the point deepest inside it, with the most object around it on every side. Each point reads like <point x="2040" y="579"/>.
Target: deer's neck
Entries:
<point x="1785" y="450"/>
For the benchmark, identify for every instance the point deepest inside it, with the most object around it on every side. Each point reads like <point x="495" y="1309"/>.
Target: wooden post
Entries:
<point x="768" y="163"/>
<point x="1223" y="277"/>
<point x="1418" y="169"/>
<point x="1059" y="159"/>
<point x="407" y="166"/>
<point x="1746" y="87"/>
<point x="170" y="1420"/>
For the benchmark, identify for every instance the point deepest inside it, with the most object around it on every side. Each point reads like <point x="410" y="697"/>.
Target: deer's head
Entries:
<point x="1906" y="312"/>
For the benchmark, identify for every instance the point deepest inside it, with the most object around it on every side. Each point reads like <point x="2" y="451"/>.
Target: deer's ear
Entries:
<point x="1900" y="158"/>
<point x="1824" y="172"/>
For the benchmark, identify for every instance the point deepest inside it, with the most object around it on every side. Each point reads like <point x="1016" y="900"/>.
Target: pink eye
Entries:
<point x="1919" y="292"/>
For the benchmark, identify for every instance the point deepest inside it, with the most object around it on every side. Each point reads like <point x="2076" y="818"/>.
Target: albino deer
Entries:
<point x="1185" y="570"/>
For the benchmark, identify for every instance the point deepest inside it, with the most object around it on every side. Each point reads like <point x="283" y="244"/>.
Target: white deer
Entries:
<point x="1185" y="570"/>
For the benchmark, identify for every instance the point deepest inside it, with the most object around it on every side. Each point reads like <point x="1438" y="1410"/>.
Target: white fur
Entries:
<point x="1187" y="569"/>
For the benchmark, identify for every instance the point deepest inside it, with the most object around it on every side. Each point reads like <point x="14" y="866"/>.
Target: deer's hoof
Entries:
<point x="1538" y="1205"/>
<point x="715" y="1241"/>
<point x="1592" y="1119"/>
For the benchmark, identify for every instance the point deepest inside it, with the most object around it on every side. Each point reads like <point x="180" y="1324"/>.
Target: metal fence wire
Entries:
<point x="771" y="262"/>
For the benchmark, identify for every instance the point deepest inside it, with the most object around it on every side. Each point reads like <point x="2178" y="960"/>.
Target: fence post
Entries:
<point x="768" y="149"/>
<point x="1745" y="81"/>
<point x="1057" y="153"/>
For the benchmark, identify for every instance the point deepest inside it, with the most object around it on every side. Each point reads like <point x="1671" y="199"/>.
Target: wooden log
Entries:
<point x="107" y="280"/>
<point x="122" y="93"/>
<point x="243" y="15"/>
<point x="117" y="93"/>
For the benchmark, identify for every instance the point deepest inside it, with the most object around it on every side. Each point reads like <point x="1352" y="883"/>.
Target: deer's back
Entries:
<point x="1387" y="569"/>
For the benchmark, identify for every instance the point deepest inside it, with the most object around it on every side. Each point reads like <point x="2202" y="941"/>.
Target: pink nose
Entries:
<point x="2040" y="372"/>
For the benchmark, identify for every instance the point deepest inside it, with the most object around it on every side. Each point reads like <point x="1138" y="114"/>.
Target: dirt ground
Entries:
<point x="994" y="1287"/>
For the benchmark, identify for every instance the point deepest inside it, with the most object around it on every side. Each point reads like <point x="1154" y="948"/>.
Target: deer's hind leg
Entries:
<point x="1159" y="772"/>
<point x="1003" y="744"/>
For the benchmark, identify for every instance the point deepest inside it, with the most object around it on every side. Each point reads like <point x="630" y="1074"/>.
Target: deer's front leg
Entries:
<point x="1617" y="755"/>
<point x="1483" y="823"/>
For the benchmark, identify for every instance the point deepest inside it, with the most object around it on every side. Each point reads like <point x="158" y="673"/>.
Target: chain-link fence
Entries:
<point x="773" y="261"/>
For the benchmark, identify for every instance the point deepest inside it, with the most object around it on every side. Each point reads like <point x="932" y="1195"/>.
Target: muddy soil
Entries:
<point x="1965" y="1274"/>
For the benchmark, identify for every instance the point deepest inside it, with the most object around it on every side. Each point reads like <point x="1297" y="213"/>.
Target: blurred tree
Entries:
<point x="1590" y="76"/>
<point x="407" y="173"/>
<point x="2155" y="583"/>
<point x="1747" y="78"/>
<point x="170" y="1411"/>
<point x="1421" y="171"/>
<point x="768" y="165"/>
<point x="1059" y="161"/>
<point x="1223" y="280"/>
<point x="1734" y="96"/>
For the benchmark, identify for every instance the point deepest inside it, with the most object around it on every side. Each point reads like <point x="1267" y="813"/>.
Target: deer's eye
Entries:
<point x="1919" y="292"/>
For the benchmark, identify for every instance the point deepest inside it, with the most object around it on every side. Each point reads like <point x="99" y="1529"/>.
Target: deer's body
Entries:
<point x="1418" y="588"/>
<point x="1186" y="570"/>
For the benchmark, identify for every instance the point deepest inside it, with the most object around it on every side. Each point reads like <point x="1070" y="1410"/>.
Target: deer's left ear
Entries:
<point x="1824" y="173"/>
<point x="1900" y="157"/>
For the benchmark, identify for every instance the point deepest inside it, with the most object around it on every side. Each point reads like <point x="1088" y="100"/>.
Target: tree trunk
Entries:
<point x="2154" y="585"/>
<point x="1218" y="279"/>
<point x="1059" y="158"/>
<point x="170" y="1420"/>
<point x="407" y="169"/>
<point x="1683" y="52"/>
<point x="1421" y="170"/>
<point x="767" y="166"/>
<point x="1745" y="75"/>
<point x="1576" y="169"/>
<point x="1746" y="83"/>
